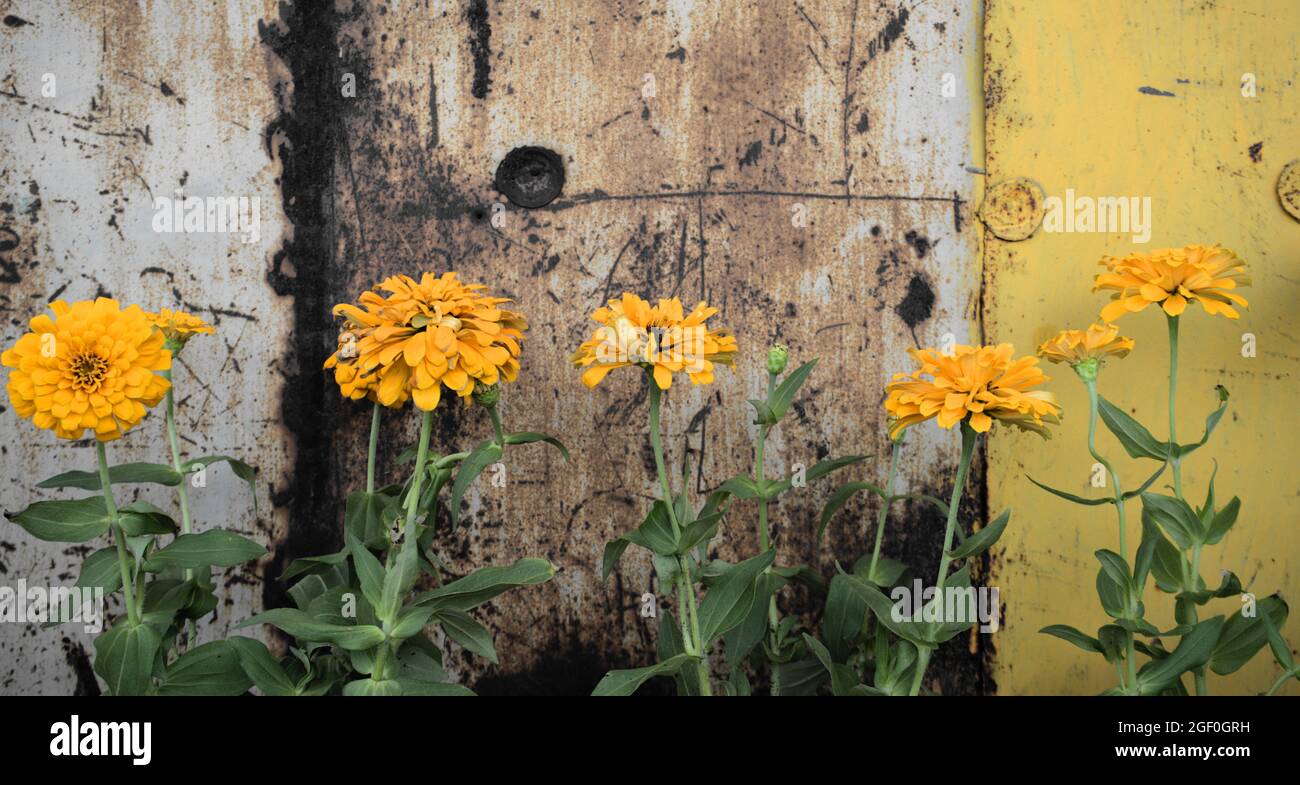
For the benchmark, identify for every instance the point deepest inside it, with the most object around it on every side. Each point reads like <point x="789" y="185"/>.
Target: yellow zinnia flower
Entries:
<point x="178" y="327"/>
<point x="1172" y="277"/>
<point x="423" y="336"/>
<point x="982" y="383"/>
<point x="660" y="338"/>
<point x="91" y="366"/>
<point x="1075" y="346"/>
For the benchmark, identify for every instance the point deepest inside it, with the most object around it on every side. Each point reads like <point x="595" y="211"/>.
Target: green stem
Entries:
<point x="1277" y="685"/>
<point x="119" y="539"/>
<point x="1173" y="402"/>
<point x="371" y="449"/>
<point x="496" y="426"/>
<point x="410" y="537"/>
<point x="182" y="490"/>
<point x="691" y="634"/>
<point x="883" y="515"/>
<point x="1114" y="476"/>
<point x="1132" y="663"/>
<point x="968" y="437"/>
<point x="657" y="445"/>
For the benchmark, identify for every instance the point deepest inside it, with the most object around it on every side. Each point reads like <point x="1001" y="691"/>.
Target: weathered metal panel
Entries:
<point x="1149" y="100"/>
<point x="857" y="115"/>
<point x="146" y="99"/>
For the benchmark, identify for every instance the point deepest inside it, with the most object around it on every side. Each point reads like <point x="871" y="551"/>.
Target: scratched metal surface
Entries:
<point x="147" y="98"/>
<point x="760" y="110"/>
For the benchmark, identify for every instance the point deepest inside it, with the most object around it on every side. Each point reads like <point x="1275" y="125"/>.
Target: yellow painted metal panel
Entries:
<point x="1117" y="98"/>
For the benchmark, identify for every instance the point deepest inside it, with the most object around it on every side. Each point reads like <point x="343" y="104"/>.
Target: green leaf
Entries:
<point x="917" y="632"/>
<point x="1135" y="438"/>
<point x="140" y="518"/>
<point x="1070" y="496"/>
<point x="1175" y="516"/>
<point x="781" y="398"/>
<point x="484" y="455"/>
<point x="310" y="565"/>
<point x="1210" y="423"/>
<point x="655" y="532"/>
<point x="463" y="629"/>
<point x="843" y="679"/>
<point x="609" y="559"/>
<point x="210" y="669"/>
<point x="410" y="621"/>
<point x="215" y="547"/>
<point x="1243" y="636"/>
<point x="1167" y="563"/>
<point x="155" y="473"/>
<point x="983" y="539"/>
<point x="1281" y="651"/>
<point x="101" y="569"/>
<point x="370" y="574"/>
<point x="305" y="628"/>
<point x="124" y="657"/>
<point x="845" y="617"/>
<point x="1223" y="521"/>
<point x="398" y="581"/>
<point x="75" y="520"/>
<point x="699" y="531"/>
<point x="626" y="682"/>
<point x="814" y="472"/>
<point x="742" y="638"/>
<point x="1071" y="635"/>
<point x="1193" y="651"/>
<point x="242" y="470"/>
<point x="528" y="437"/>
<point x="483" y="584"/>
<point x="801" y="677"/>
<point x="763" y="414"/>
<point x="741" y="487"/>
<point x="370" y="516"/>
<point x="730" y="598"/>
<point x="261" y="667"/>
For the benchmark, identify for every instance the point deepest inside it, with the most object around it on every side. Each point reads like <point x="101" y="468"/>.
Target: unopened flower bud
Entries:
<point x="777" y="357"/>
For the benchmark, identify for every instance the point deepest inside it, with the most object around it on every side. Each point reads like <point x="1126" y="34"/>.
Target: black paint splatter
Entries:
<point x="480" y="46"/>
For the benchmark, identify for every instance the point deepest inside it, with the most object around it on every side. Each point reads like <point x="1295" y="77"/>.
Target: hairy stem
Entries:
<point x="690" y="616"/>
<point x="182" y="490"/>
<point x="1173" y="403"/>
<point x="968" y="437"/>
<point x="119" y="539"/>
<point x="883" y="515"/>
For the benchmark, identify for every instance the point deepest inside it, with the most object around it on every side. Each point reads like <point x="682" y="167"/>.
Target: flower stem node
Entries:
<point x="777" y="357"/>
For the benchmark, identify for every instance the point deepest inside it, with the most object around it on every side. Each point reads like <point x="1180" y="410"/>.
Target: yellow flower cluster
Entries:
<point x="975" y="383"/>
<point x="660" y="337"/>
<point x="1173" y="277"/>
<point x="422" y="336"/>
<point x="93" y="365"/>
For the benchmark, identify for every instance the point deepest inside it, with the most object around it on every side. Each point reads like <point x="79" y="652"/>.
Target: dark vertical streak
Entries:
<point x="848" y="99"/>
<point x="433" y="109"/>
<point x="304" y="138"/>
<point x="480" y="46"/>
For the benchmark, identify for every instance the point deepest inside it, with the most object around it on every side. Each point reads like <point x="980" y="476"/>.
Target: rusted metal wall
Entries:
<point x="694" y="138"/>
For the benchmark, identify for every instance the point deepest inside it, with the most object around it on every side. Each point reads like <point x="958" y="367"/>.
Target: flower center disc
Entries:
<point x="88" y="371"/>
